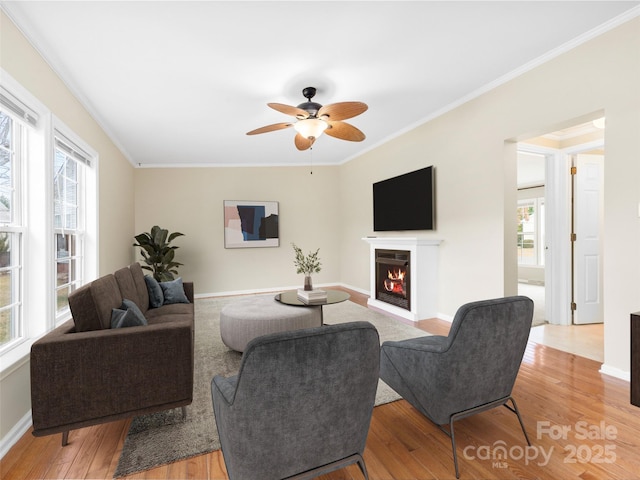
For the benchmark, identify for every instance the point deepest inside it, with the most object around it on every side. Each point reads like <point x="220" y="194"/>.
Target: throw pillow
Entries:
<point x="173" y="292"/>
<point x="130" y="305"/>
<point x="156" y="297"/>
<point x="124" y="318"/>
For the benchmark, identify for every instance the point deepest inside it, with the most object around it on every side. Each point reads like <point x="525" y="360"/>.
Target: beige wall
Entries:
<point x="473" y="150"/>
<point x="24" y="64"/>
<point x="190" y="200"/>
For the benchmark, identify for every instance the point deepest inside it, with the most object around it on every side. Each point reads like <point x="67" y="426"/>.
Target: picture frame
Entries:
<point x="251" y="224"/>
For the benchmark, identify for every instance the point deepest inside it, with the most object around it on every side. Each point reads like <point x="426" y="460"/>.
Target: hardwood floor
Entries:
<point x="580" y="423"/>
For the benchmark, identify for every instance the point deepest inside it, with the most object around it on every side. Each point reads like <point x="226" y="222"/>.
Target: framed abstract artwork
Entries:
<point x="250" y="224"/>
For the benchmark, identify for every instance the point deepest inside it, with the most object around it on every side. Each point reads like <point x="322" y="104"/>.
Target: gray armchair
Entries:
<point x="471" y="370"/>
<point x="301" y="403"/>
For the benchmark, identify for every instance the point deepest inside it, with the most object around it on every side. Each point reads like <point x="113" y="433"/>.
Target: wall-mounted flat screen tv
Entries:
<point x="405" y="202"/>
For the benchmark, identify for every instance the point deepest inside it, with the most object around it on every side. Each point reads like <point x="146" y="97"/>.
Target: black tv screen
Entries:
<point x="405" y="202"/>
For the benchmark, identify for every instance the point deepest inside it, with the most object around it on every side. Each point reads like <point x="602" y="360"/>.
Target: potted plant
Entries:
<point x="158" y="253"/>
<point x="306" y="264"/>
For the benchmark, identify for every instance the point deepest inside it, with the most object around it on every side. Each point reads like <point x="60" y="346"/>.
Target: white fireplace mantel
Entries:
<point x="424" y="275"/>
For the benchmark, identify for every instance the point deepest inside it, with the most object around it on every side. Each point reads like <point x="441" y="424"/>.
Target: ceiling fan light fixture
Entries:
<point x="314" y="119"/>
<point x="311" y="127"/>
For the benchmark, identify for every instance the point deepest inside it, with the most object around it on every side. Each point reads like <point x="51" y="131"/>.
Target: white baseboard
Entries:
<point x="355" y="289"/>
<point x="615" y="372"/>
<point x="15" y="434"/>
<point x="255" y="291"/>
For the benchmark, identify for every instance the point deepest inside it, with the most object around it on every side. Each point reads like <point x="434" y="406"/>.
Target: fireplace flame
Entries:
<point x="396" y="274"/>
<point x="395" y="281"/>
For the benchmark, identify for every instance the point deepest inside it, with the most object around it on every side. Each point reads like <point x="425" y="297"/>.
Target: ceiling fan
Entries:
<point x="313" y="119"/>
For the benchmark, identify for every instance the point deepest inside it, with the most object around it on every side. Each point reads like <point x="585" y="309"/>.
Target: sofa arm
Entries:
<point x="83" y="378"/>
<point x="188" y="290"/>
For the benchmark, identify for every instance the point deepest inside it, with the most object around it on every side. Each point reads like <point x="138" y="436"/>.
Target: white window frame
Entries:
<point x="15" y="226"/>
<point x="538" y="232"/>
<point x="87" y="159"/>
<point x="38" y="249"/>
<point x="75" y="233"/>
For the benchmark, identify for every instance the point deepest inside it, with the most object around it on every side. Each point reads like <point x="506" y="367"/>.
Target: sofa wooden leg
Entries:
<point x="184" y="413"/>
<point x="65" y="438"/>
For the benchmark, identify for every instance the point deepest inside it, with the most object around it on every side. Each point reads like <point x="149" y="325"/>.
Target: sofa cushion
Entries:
<point x="156" y="297"/>
<point x="91" y="305"/>
<point x="168" y="310"/>
<point x="127" y="286"/>
<point x="126" y="318"/>
<point x="141" y="286"/>
<point x="173" y="292"/>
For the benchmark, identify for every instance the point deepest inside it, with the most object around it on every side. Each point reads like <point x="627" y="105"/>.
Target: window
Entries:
<point x="11" y="134"/>
<point x="531" y="232"/>
<point x="48" y="219"/>
<point x="69" y="163"/>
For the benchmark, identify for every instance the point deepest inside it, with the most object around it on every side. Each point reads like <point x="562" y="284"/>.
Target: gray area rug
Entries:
<point x="166" y="437"/>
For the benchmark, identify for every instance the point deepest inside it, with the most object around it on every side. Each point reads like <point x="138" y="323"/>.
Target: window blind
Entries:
<point x="18" y="108"/>
<point x="71" y="148"/>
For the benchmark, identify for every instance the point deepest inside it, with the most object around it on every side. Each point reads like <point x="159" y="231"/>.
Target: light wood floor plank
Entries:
<point x="217" y="468"/>
<point x="13" y="455"/>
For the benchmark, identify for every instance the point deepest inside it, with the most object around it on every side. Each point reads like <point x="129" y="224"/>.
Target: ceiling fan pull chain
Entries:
<point x="311" y="156"/>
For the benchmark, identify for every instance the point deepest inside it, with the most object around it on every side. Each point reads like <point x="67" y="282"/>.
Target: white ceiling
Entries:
<point x="180" y="83"/>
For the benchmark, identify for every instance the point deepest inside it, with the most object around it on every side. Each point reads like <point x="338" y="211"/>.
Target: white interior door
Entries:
<point x="588" y="203"/>
<point x="557" y="266"/>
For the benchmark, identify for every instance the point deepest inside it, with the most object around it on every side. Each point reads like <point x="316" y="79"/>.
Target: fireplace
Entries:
<point x="393" y="277"/>
<point x="404" y="276"/>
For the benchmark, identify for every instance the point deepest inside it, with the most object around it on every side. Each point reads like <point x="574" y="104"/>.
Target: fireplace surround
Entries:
<point x="403" y="276"/>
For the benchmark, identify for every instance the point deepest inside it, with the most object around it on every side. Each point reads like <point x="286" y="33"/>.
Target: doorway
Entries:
<point x="562" y="290"/>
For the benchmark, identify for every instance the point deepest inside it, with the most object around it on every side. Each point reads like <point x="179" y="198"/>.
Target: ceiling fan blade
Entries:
<point x="303" y="143"/>
<point x="289" y="110"/>
<point x="344" y="131"/>
<point x="270" y="128"/>
<point x="342" y="110"/>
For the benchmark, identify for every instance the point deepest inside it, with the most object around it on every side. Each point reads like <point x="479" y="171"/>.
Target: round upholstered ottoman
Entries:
<point x="245" y="319"/>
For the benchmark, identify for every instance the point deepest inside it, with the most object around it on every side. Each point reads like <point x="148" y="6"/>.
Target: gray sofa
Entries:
<point x="85" y="372"/>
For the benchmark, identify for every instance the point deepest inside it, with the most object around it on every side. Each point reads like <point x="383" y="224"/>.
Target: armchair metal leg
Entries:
<point x="471" y="411"/>
<point x="65" y="438"/>
<point x="453" y="446"/>
<point x="517" y="412"/>
<point x="452" y="436"/>
<point x="363" y="468"/>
